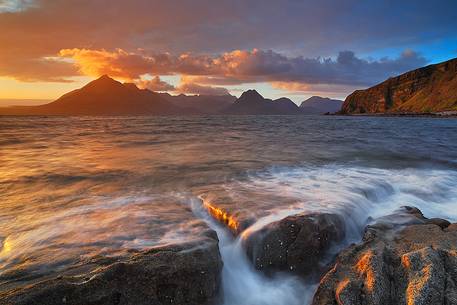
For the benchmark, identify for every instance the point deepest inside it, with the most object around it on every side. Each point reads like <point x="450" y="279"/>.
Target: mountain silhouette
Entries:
<point x="103" y="96"/>
<point x="320" y="105"/>
<point x="251" y="102"/>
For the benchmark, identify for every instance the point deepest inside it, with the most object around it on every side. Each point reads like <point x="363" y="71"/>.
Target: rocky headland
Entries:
<point x="429" y="90"/>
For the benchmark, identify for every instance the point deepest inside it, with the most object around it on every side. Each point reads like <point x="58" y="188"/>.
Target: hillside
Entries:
<point x="429" y="89"/>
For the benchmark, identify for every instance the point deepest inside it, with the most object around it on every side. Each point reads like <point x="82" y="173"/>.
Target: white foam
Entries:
<point x="355" y="192"/>
<point x="243" y="285"/>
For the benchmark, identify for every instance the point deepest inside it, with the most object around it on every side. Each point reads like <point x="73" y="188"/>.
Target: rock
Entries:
<point x="442" y="223"/>
<point x="296" y="243"/>
<point x="413" y="262"/>
<point x="176" y="274"/>
<point x="424" y="90"/>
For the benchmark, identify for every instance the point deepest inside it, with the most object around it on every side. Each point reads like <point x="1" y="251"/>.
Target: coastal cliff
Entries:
<point x="429" y="89"/>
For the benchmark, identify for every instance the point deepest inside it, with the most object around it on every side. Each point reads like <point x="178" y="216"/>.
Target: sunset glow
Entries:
<point x="228" y="152"/>
<point x="52" y="47"/>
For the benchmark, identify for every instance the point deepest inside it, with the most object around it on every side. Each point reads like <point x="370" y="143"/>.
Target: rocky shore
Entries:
<point x="403" y="258"/>
<point x="187" y="273"/>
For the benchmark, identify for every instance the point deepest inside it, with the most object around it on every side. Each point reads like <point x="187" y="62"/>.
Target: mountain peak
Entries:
<point x="103" y="81"/>
<point x="251" y="94"/>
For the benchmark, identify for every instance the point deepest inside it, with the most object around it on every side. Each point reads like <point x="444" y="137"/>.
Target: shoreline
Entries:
<point x="441" y="115"/>
<point x="381" y="263"/>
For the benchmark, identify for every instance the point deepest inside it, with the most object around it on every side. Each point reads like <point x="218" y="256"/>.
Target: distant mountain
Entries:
<point x="251" y="102"/>
<point x="104" y="96"/>
<point x="320" y="105"/>
<point x="429" y="89"/>
<point x="202" y="104"/>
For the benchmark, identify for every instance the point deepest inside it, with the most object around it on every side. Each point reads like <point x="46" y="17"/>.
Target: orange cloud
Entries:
<point x="291" y="86"/>
<point x="118" y="64"/>
<point x="240" y="66"/>
<point x="194" y="88"/>
<point x="33" y="30"/>
<point x="155" y="84"/>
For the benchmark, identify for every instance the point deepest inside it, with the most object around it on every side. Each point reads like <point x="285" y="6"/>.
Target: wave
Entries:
<point x="359" y="193"/>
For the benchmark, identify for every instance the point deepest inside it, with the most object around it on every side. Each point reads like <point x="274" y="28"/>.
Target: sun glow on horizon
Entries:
<point x="15" y="89"/>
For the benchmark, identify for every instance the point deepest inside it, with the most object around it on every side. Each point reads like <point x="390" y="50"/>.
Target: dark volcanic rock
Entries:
<point x="296" y="243"/>
<point x="409" y="262"/>
<point x="177" y="274"/>
<point x="428" y="89"/>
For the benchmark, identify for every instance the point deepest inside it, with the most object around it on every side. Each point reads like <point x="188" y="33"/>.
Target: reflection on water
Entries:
<point x="76" y="188"/>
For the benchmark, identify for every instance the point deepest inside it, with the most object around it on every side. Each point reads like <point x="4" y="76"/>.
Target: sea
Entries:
<point x="73" y="189"/>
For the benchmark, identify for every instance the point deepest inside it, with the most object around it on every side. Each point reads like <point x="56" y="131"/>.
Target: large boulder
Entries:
<point x="186" y="273"/>
<point x="403" y="259"/>
<point x="296" y="243"/>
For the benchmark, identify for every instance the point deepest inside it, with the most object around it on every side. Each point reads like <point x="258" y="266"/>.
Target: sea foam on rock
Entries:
<point x="404" y="258"/>
<point x="187" y="274"/>
<point x="296" y="244"/>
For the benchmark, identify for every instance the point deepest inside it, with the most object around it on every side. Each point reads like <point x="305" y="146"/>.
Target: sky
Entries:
<point x="287" y="48"/>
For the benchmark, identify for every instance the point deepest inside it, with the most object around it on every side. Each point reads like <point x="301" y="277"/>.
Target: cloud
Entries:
<point x="204" y="26"/>
<point x="329" y="90"/>
<point x="241" y="66"/>
<point x="193" y="88"/>
<point x="119" y="63"/>
<point x="294" y="45"/>
<point x="34" y="70"/>
<point x="155" y="84"/>
<point x="15" y="5"/>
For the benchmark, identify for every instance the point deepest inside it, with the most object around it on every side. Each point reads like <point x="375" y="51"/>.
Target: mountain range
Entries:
<point x="106" y="96"/>
<point x="425" y="90"/>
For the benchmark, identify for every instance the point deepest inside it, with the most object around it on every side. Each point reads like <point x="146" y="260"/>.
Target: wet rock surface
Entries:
<point x="404" y="258"/>
<point x="296" y="243"/>
<point x="186" y="273"/>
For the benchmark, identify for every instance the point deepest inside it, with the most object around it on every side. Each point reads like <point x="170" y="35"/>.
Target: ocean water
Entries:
<point x="76" y="188"/>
